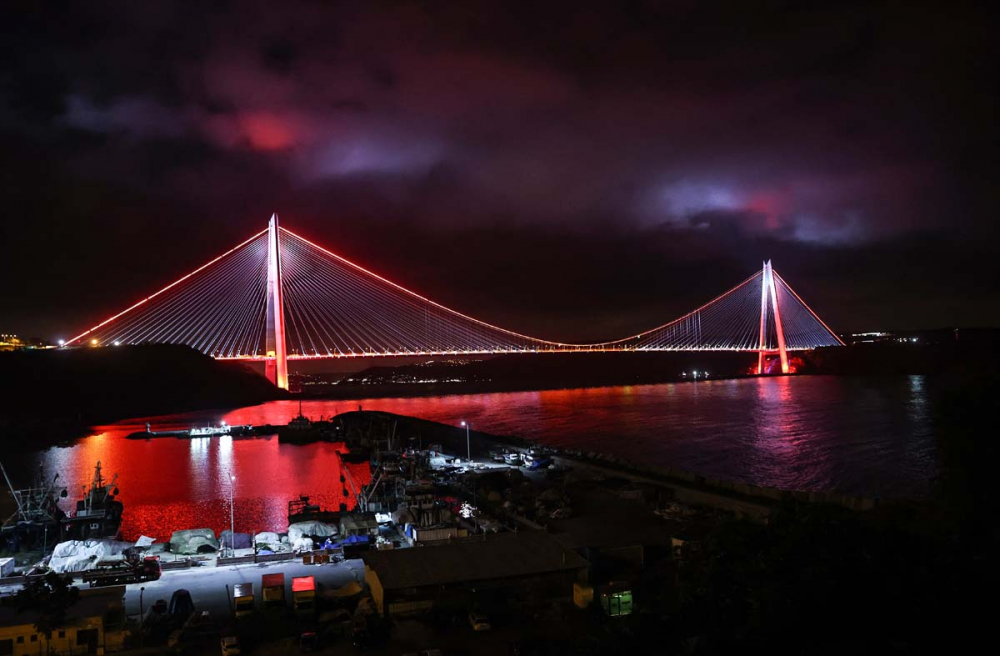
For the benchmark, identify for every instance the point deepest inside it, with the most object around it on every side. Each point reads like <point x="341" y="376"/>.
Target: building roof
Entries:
<point x="507" y="555"/>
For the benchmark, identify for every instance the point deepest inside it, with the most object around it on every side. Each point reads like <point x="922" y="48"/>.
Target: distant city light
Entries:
<point x="93" y="342"/>
<point x="117" y="343"/>
<point x="62" y="342"/>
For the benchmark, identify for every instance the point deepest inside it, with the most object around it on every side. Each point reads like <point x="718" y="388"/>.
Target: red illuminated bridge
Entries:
<point x="278" y="297"/>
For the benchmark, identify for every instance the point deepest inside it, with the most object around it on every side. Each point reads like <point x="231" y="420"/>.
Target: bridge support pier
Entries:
<point x="276" y="364"/>
<point x="767" y="289"/>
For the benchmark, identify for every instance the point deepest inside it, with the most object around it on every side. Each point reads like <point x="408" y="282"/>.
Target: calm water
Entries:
<point x="870" y="436"/>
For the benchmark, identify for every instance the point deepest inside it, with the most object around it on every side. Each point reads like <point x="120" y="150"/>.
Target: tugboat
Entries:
<point x="99" y="513"/>
<point x="301" y="429"/>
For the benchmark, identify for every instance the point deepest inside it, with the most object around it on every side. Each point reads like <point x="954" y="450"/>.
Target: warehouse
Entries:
<point x="494" y="574"/>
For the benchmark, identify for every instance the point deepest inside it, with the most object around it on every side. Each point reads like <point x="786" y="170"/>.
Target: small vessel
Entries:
<point x="195" y="432"/>
<point x="302" y="429"/>
<point x="210" y="431"/>
<point x="302" y="510"/>
<point x="98" y="513"/>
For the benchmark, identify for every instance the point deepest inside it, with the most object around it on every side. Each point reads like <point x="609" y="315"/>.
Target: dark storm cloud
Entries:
<point x="576" y="169"/>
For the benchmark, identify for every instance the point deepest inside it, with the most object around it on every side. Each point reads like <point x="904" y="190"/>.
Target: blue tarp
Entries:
<point x="538" y="464"/>
<point x="353" y="539"/>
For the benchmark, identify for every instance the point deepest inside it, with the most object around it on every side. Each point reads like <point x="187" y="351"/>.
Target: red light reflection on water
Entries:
<point x="169" y="484"/>
<point x="800" y="432"/>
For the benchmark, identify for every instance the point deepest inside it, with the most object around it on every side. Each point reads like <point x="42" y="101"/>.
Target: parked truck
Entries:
<point x="273" y="590"/>
<point x="304" y="594"/>
<point x="120" y="572"/>
<point x="243" y="599"/>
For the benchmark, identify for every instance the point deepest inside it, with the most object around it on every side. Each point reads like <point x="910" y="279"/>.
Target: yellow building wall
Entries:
<point x="56" y="646"/>
<point x="375" y="586"/>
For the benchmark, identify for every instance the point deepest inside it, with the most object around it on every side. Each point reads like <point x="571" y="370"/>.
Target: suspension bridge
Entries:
<point x="278" y="297"/>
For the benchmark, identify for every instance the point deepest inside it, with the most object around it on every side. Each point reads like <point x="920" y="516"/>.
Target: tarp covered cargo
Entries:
<point x="303" y="544"/>
<point x="309" y="529"/>
<point x="240" y="541"/>
<point x="193" y="541"/>
<point x="80" y="555"/>
<point x="268" y="540"/>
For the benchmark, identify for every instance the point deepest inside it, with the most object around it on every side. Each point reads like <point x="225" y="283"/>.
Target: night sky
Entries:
<point x="574" y="170"/>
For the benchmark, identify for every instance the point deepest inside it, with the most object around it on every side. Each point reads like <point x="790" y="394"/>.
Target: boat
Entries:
<point x="302" y="510"/>
<point x="35" y="523"/>
<point x="98" y="513"/>
<point x="194" y="432"/>
<point x="302" y="429"/>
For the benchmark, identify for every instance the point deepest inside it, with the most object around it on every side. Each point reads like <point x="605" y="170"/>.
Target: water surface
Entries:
<point x="866" y="436"/>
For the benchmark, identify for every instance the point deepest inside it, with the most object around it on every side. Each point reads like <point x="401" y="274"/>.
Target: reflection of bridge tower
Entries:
<point x="276" y="364"/>
<point x="767" y="289"/>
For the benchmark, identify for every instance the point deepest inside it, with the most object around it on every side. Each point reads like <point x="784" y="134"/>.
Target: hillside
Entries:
<point x="49" y="396"/>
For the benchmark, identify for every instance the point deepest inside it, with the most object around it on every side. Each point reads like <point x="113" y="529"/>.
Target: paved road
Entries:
<point x="207" y="585"/>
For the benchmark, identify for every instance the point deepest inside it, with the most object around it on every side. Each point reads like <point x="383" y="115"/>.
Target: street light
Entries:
<point x="232" y="521"/>
<point x="468" y="448"/>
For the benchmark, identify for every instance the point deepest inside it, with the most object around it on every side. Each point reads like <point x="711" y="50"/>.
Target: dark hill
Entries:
<point x="55" y="394"/>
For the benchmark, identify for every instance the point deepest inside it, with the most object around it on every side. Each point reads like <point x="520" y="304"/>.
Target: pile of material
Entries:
<point x="268" y="541"/>
<point x="301" y="535"/>
<point x="80" y="555"/>
<point x="229" y="540"/>
<point x="194" y="541"/>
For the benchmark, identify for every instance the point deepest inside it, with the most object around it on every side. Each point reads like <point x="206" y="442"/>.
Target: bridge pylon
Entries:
<point x="276" y="362"/>
<point x="767" y="290"/>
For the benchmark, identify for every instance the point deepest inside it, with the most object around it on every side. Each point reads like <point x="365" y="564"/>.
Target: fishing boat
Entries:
<point x="35" y="523"/>
<point x="98" y="513"/>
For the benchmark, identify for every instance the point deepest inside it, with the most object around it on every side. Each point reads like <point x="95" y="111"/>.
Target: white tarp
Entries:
<point x="193" y="541"/>
<point x="299" y="530"/>
<point x="145" y="541"/>
<point x="80" y="555"/>
<point x="303" y="544"/>
<point x="268" y="540"/>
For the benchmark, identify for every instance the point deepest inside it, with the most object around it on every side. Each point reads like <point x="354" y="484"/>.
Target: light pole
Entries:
<point x="142" y="639"/>
<point x="232" y="521"/>
<point x="468" y="448"/>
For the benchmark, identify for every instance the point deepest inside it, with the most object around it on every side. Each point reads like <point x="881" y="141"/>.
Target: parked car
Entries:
<point x="308" y="641"/>
<point x="513" y="458"/>
<point x="230" y="646"/>
<point x="479" y="622"/>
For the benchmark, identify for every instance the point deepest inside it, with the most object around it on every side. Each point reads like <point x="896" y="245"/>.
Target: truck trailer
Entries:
<point x="121" y="572"/>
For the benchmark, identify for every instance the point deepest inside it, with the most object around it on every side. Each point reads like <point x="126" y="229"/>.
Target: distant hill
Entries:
<point x="54" y="394"/>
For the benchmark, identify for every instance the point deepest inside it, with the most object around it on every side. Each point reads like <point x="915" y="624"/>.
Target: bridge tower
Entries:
<point x="276" y="364"/>
<point x="767" y="289"/>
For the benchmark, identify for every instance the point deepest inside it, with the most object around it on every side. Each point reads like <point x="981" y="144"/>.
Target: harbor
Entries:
<point x="431" y="486"/>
